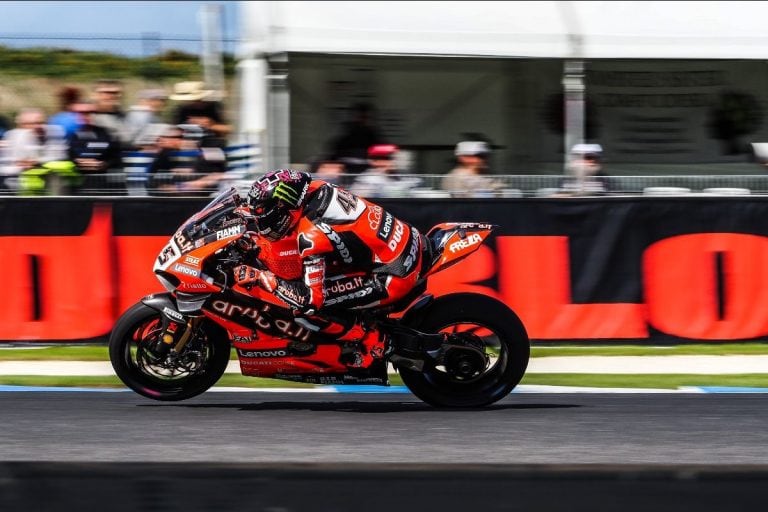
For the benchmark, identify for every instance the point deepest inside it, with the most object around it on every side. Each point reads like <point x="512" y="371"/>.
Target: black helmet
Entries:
<point x="277" y="200"/>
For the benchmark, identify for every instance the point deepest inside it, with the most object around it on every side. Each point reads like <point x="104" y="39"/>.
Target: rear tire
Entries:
<point x="200" y="365"/>
<point x="505" y="340"/>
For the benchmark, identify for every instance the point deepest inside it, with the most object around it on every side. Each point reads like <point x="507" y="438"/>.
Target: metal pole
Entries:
<point x="211" y="60"/>
<point x="573" y="85"/>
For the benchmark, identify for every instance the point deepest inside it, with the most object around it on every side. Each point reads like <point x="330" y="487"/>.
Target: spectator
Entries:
<point x="197" y="107"/>
<point x="92" y="147"/>
<point x="586" y="173"/>
<point x="143" y="115"/>
<point x="5" y="125"/>
<point x="359" y="134"/>
<point x="471" y="176"/>
<point x="381" y="179"/>
<point x="182" y="167"/>
<point x="108" y="96"/>
<point x="329" y="170"/>
<point x="30" y="145"/>
<point x="66" y="118"/>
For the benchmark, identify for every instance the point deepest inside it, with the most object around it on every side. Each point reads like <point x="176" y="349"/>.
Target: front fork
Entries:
<point x="175" y="333"/>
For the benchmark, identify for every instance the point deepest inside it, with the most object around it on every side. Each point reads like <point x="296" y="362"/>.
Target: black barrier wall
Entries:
<point x="645" y="268"/>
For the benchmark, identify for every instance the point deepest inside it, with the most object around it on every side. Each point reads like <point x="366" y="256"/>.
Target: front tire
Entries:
<point x="199" y="366"/>
<point x="503" y="336"/>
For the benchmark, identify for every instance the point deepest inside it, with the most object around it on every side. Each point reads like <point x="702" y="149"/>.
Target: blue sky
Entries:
<point x="46" y="22"/>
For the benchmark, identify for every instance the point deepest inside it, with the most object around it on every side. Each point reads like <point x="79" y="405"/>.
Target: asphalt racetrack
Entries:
<point x="303" y="451"/>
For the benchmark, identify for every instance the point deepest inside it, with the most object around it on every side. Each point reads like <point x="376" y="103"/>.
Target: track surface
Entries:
<point x="380" y="428"/>
<point x="297" y="452"/>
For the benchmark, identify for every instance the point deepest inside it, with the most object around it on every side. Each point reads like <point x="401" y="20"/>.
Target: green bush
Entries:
<point x="68" y="64"/>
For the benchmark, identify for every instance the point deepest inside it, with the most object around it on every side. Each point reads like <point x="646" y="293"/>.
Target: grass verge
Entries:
<point x="101" y="353"/>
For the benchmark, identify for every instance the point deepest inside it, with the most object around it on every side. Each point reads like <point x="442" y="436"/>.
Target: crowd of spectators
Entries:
<point x="183" y="136"/>
<point x="78" y="147"/>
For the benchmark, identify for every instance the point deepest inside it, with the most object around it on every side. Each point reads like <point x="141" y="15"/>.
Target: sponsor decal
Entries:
<point x="359" y="294"/>
<point x="374" y="217"/>
<point x="228" y="232"/>
<point x="385" y="229"/>
<point x="237" y="338"/>
<point x="183" y="269"/>
<point x="472" y="225"/>
<point x="413" y="253"/>
<point x="263" y="353"/>
<point x="192" y="260"/>
<point x="341" y="286"/>
<point x="173" y="314"/>
<point x="193" y="286"/>
<point x="337" y="242"/>
<point x="397" y="236"/>
<point x="467" y="242"/>
<point x="286" y="328"/>
<point x="183" y="241"/>
<point x="292" y="252"/>
<point x="291" y="295"/>
<point x="231" y="310"/>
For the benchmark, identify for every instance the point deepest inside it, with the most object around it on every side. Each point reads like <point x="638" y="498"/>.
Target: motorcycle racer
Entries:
<point x="352" y="253"/>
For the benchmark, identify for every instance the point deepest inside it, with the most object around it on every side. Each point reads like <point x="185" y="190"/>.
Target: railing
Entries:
<point x="243" y="161"/>
<point x="134" y="181"/>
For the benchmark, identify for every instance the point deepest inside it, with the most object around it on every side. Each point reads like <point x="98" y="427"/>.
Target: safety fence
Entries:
<point x="646" y="269"/>
<point x="244" y="165"/>
<point x="242" y="161"/>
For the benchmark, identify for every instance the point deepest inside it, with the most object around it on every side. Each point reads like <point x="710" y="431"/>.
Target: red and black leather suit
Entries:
<point x="344" y="252"/>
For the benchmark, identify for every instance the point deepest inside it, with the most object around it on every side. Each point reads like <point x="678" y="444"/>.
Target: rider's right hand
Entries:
<point x="247" y="277"/>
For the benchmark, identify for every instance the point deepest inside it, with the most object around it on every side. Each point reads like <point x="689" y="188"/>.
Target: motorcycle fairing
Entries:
<point x="453" y="241"/>
<point x="262" y="335"/>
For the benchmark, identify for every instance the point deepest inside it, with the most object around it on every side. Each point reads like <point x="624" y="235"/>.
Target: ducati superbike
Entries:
<point x="454" y="350"/>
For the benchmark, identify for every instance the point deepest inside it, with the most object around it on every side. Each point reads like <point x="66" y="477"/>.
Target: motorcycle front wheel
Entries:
<point x="459" y="379"/>
<point x="198" y="366"/>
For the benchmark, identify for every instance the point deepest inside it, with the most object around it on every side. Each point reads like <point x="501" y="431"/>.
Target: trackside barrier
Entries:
<point x="650" y="269"/>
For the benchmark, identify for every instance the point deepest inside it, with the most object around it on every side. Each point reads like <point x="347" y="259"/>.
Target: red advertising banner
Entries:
<point x="642" y="269"/>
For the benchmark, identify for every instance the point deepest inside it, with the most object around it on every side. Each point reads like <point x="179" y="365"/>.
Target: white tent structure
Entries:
<point x="573" y="31"/>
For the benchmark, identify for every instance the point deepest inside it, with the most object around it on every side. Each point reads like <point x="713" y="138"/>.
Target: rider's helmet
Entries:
<point x="277" y="200"/>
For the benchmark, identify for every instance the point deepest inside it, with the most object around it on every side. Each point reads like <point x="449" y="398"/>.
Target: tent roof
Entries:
<point x="591" y="30"/>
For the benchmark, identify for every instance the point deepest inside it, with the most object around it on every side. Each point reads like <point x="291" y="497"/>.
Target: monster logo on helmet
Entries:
<point x="286" y="193"/>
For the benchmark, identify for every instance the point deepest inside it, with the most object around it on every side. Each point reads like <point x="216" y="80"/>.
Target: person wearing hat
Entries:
<point x="380" y="180"/>
<point x="197" y="105"/>
<point x="470" y="177"/>
<point x="586" y="173"/>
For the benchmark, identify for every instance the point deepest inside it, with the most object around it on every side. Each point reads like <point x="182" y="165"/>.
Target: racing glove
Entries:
<point x="247" y="277"/>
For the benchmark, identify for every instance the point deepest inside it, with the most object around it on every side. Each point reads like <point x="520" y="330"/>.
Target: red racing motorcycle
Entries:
<point x="456" y="350"/>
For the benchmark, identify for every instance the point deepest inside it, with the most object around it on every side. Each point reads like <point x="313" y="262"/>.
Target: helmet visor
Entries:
<point x="272" y="223"/>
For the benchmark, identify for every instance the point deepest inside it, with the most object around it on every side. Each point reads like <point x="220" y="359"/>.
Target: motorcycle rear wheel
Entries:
<point x="199" y="366"/>
<point x="505" y="343"/>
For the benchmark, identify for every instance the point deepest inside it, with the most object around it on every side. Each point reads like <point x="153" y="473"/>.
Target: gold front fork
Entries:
<point x="192" y="324"/>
